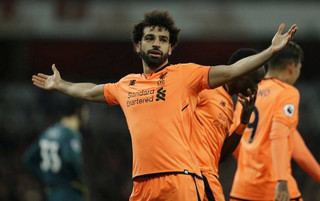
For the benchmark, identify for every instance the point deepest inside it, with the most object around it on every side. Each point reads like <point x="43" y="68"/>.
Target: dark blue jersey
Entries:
<point x="55" y="159"/>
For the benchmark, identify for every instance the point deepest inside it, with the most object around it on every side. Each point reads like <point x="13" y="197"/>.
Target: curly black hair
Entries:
<point x="160" y="18"/>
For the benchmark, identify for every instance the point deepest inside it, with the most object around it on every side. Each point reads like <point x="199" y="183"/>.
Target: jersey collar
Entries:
<point x="160" y="69"/>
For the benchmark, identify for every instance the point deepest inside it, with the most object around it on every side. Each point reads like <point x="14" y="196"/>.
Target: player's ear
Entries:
<point x="291" y="67"/>
<point x="170" y="50"/>
<point x="138" y="47"/>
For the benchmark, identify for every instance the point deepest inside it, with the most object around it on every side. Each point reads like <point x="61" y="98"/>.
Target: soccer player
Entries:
<point x="159" y="104"/>
<point x="213" y="118"/>
<point x="55" y="158"/>
<point x="268" y="143"/>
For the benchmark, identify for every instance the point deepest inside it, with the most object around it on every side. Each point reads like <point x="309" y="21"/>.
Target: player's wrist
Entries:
<point x="61" y="85"/>
<point x="240" y="129"/>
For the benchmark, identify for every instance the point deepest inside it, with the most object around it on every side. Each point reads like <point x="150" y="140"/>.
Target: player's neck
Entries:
<point x="71" y="122"/>
<point x="150" y="69"/>
<point x="277" y="74"/>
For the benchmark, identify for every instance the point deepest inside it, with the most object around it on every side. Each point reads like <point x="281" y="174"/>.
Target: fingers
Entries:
<point x="38" y="85"/>
<point x="38" y="81"/>
<point x="43" y="75"/>
<point x="255" y="95"/>
<point x="281" y="28"/>
<point x="291" y="32"/>
<point x="243" y="98"/>
<point x="38" y="78"/>
<point x="293" y="29"/>
<point x="249" y="93"/>
<point x="242" y="103"/>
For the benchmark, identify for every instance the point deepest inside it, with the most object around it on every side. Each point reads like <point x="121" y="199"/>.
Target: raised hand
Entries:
<point x="247" y="105"/>
<point x="47" y="82"/>
<point x="280" y="40"/>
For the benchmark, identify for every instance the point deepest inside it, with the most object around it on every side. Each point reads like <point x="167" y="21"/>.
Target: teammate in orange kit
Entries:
<point x="213" y="118"/>
<point x="265" y="151"/>
<point x="159" y="105"/>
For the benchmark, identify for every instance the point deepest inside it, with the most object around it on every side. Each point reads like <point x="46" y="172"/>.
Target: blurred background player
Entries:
<point x="55" y="159"/>
<point x="159" y="105"/>
<point x="271" y="140"/>
<point x="213" y="118"/>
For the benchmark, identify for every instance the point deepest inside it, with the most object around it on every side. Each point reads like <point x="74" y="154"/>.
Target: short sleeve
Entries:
<point x="196" y="77"/>
<point x="287" y="110"/>
<point x="110" y="92"/>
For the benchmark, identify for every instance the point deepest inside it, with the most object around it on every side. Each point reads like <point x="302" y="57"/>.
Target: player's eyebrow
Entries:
<point x="149" y="35"/>
<point x="160" y="36"/>
<point x="164" y="37"/>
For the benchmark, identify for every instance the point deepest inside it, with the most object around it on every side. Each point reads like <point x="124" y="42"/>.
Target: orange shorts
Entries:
<point x="294" y="199"/>
<point x="168" y="187"/>
<point x="213" y="189"/>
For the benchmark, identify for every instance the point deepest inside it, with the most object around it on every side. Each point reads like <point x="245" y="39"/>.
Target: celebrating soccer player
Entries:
<point x="271" y="140"/>
<point x="213" y="118"/>
<point x="159" y="104"/>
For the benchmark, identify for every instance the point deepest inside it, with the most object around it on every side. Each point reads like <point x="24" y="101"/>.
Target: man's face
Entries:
<point x="250" y="81"/>
<point x="154" y="47"/>
<point x="245" y="83"/>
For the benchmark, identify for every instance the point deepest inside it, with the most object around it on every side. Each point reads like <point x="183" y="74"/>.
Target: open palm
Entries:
<point x="280" y="40"/>
<point x="47" y="82"/>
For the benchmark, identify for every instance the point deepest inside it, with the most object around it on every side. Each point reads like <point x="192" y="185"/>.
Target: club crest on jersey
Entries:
<point x="132" y="82"/>
<point x="288" y="110"/>
<point x="161" y="80"/>
<point x="161" y="94"/>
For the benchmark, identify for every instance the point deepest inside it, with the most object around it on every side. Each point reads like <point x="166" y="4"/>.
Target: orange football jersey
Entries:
<point x="159" y="108"/>
<point x="213" y="118"/>
<point x="255" y="177"/>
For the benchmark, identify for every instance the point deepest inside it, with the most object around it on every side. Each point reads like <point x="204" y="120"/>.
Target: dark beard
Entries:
<point x="153" y="62"/>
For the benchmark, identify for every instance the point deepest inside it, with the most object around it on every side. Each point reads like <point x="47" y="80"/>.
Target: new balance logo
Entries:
<point x="132" y="82"/>
<point x="161" y="94"/>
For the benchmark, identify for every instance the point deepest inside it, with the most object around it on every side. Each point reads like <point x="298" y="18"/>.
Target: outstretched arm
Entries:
<point x="304" y="158"/>
<point x="232" y="141"/>
<point x="86" y="91"/>
<point x="222" y="74"/>
<point x="279" y="153"/>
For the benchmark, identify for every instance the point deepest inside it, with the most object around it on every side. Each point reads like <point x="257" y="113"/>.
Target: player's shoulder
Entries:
<point x="128" y="78"/>
<point x="288" y="89"/>
<point x="284" y="88"/>
<point x="57" y="132"/>
<point x="53" y="132"/>
<point x="184" y="65"/>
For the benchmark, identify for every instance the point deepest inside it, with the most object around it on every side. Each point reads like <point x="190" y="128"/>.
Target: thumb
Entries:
<point x="54" y="69"/>
<point x="281" y="28"/>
